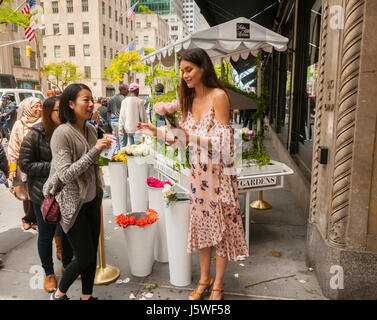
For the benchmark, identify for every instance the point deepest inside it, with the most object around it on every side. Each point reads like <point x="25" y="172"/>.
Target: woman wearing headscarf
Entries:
<point x="28" y="115"/>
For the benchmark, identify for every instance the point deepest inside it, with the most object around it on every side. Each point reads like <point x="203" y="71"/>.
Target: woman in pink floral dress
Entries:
<point x="215" y="219"/>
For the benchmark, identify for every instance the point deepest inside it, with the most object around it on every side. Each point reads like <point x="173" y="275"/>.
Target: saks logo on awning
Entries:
<point x="243" y="30"/>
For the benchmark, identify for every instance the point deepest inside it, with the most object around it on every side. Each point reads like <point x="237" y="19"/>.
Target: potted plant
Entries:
<point x="118" y="182"/>
<point x="177" y="215"/>
<point x="156" y="202"/>
<point x="139" y="231"/>
<point x="138" y="173"/>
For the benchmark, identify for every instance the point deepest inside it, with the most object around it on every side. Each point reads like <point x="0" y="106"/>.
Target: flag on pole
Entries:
<point x="141" y="52"/>
<point x="29" y="30"/>
<point x="129" y="48"/>
<point x="131" y="12"/>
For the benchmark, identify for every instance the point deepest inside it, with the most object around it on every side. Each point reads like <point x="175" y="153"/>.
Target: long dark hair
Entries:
<point x="47" y="109"/>
<point x="200" y="58"/>
<point x="66" y="114"/>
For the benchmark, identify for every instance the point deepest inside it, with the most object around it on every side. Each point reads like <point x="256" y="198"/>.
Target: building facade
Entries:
<point x="14" y="61"/>
<point x="191" y="15"/>
<point x="151" y="32"/>
<point x="88" y="34"/>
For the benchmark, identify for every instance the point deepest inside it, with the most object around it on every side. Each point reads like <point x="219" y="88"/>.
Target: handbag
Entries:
<point x="19" y="186"/>
<point x="50" y="210"/>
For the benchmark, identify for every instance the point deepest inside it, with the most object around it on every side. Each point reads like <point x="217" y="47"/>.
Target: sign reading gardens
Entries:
<point x="243" y="30"/>
<point x="257" y="182"/>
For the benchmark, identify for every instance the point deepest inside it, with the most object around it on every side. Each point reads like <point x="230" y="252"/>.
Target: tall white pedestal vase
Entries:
<point x="156" y="202"/>
<point x="118" y="182"/>
<point x="177" y="217"/>
<point x="140" y="247"/>
<point x="138" y="174"/>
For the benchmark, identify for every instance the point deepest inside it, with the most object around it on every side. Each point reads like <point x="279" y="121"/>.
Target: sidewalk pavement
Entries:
<point x="280" y="229"/>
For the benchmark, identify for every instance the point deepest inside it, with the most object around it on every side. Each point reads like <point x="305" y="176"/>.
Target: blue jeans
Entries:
<point x="121" y="139"/>
<point x="46" y="234"/>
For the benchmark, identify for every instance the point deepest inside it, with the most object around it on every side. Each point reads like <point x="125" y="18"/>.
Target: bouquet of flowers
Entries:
<point x="168" y="110"/>
<point x="155" y="183"/>
<point x="126" y="220"/>
<point x="120" y="157"/>
<point x="247" y="134"/>
<point x="102" y="162"/>
<point x="138" y="150"/>
<point x="169" y="194"/>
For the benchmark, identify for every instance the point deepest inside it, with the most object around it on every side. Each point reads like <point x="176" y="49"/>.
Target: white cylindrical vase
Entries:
<point x="118" y="182"/>
<point x="138" y="174"/>
<point x="140" y="248"/>
<point x="156" y="202"/>
<point x="177" y="217"/>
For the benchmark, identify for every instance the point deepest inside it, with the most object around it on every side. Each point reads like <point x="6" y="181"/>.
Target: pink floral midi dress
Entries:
<point x="215" y="218"/>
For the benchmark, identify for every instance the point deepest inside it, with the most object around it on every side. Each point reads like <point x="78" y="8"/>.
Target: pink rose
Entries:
<point x="172" y="106"/>
<point x="159" y="108"/>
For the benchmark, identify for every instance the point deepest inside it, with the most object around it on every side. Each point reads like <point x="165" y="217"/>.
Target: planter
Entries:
<point x="177" y="217"/>
<point x="140" y="248"/>
<point x="156" y="202"/>
<point x="254" y="169"/>
<point x="138" y="174"/>
<point x="118" y="182"/>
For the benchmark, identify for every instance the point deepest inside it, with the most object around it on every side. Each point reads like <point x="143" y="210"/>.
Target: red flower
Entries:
<point x="143" y="222"/>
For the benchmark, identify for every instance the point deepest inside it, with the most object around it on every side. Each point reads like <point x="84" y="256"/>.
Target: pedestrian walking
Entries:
<point x="8" y="113"/>
<point x="35" y="160"/>
<point x="29" y="115"/>
<point x="75" y="181"/>
<point x="215" y="219"/>
<point x="4" y="167"/>
<point x="114" y="111"/>
<point x="106" y="126"/>
<point x="132" y="112"/>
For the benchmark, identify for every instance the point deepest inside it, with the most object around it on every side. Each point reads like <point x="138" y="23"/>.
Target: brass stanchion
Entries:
<point x="260" y="204"/>
<point x="105" y="274"/>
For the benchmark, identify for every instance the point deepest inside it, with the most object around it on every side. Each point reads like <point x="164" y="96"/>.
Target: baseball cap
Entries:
<point x="133" y="86"/>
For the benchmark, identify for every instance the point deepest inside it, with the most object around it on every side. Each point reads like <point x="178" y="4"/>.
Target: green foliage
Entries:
<point x="9" y="15"/>
<point x="124" y="63"/>
<point x="166" y="97"/>
<point x="62" y="73"/>
<point x="144" y="9"/>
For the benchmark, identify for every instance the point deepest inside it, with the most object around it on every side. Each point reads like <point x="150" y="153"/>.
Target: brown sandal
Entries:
<point x="195" y="295"/>
<point x="216" y="290"/>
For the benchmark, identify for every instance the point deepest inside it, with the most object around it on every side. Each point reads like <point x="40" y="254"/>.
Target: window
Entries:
<point x="109" y="12"/>
<point x="69" y="6"/>
<point x="174" y="28"/>
<point x="104" y="51"/>
<point x="111" y="33"/>
<point x="131" y="25"/>
<point x="33" y="62"/>
<point x="16" y="57"/>
<point x="121" y="20"/>
<point x="24" y="95"/>
<point x="146" y="39"/>
<point x="104" y="30"/>
<point x="122" y="38"/>
<point x="136" y="39"/>
<point x="72" y="51"/>
<point x="127" y="40"/>
<point x="111" y="53"/>
<point x="55" y="27"/>
<point x="14" y="27"/>
<point x="84" y="5"/>
<point x="116" y="36"/>
<point x="138" y="24"/>
<point x="57" y="51"/>
<point x="103" y="7"/>
<point x="87" y="71"/>
<point x="55" y="6"/>
<point x="149" y="24"/>
<point x="71" y="28"/>
<point x="44" y="51"/>
<point x="85" y="27"/>
<point x="116" y="15"/>
<point x="86" y="50"/>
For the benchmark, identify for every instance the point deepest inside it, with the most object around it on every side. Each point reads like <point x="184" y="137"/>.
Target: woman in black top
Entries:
<point x="35" y="161"/>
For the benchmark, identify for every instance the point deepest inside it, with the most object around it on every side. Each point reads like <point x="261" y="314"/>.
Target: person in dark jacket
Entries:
<point x="4" y="167"/>
<point x="35" y="160"/>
